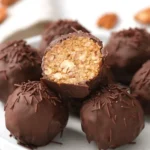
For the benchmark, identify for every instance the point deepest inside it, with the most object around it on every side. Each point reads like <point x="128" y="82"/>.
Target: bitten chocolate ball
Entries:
<point x="140" y="86"/>
<point x="73" y="64"/>
<point x="127" y="51"/>
<point x="18" y="63"/>
<point x="112" y="118"/>
<point x="58" y="28"/>
<point x="35" y="115"/>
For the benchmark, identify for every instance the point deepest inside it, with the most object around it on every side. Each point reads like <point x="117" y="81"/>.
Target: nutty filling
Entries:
<point x="74" y="60"/>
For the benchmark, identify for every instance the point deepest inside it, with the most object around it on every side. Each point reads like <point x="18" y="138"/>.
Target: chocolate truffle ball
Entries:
<point x="73" y="64"/>
<point x="18" y="63"/>
<point x="34" y="114"/>
<point x="140" y="86"/>
<point x="127" y="51"/>
<point x="112" y="117"/>
<point x="58" y="28"/>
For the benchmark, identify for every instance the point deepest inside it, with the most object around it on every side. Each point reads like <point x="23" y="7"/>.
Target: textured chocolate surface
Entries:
<point x="127" y="51"/>
<point x="34" y="114"/>
<point x="112" y="117"/>
<point x="58" y="28"/>
<point x="18" y="63"/>
<point x="80" y="89"/>
<point x="140" y="86"/>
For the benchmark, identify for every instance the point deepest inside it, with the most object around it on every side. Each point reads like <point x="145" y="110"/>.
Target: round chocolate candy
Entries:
<point x="127" y="50"/>
<point x="35" y="115"/>
<point x="112" y="117"/>
<point x="18" y="63"/>
<point x="140" y="86"/>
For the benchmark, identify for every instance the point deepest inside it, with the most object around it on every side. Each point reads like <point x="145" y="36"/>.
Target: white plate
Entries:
<point x="73" y="137"/>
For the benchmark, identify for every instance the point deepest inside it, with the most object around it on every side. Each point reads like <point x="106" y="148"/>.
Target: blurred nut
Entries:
<point x="3" y="13"/>
<point x="143" y="16"/>
<point x="7" y="2"/>
<point x="108" y="20"/>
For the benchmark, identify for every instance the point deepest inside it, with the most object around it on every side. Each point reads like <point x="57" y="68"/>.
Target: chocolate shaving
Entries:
<point x="125" y="123"/>
<point x="26" y="99"/>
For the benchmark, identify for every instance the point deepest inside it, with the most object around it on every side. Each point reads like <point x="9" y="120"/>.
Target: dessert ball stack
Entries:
<point x="58" y="28"/>
<point x="34" y="114"/>
<point x="75" y="71"/>
<point x="140" y="86"/>
<point x="18" y="63"/>
<point x="127" y="50"/>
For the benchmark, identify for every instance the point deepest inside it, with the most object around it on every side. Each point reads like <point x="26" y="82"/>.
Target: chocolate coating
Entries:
<point x="58" y="28"/>
<point x="80" y="89"/>
<point x="127" y="51"/>
<point x="74" y="105"/>
<point x="112" y="117"/>
<point x="140" y="86"/>
<point x="18" y="63"/>
<point x="35" y="115"/>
